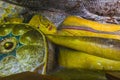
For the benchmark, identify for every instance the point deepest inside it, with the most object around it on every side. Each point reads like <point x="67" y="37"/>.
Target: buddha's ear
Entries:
<point x="43" y="24"/>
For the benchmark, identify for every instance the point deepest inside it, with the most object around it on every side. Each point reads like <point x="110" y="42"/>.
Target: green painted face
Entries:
<point x="22" y="48"/>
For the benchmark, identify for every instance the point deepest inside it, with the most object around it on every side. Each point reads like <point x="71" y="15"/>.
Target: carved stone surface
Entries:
<point x="105" y="11"/>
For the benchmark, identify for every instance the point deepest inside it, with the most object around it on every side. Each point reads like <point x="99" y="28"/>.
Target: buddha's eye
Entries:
<point x="8" y="45"/>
